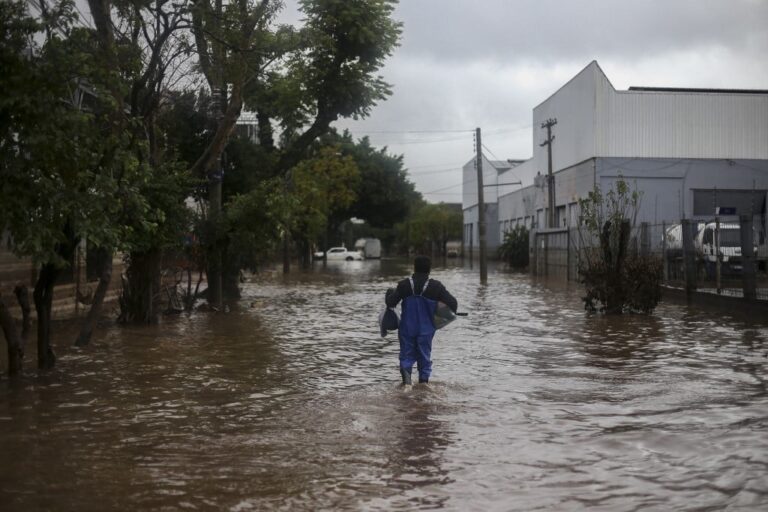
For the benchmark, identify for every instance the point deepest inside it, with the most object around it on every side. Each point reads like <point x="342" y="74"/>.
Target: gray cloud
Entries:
<point x="487" y="63"/>
<point x="550" y="31"/>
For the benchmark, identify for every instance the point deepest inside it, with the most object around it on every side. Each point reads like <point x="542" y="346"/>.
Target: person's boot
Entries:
<point x="406" y="377"/>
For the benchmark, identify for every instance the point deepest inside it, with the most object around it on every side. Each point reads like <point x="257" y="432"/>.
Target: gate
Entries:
<point x="552" y="254"/>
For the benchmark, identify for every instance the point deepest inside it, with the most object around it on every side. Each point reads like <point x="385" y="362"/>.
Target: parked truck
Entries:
<point x="705" y="246"/>
<point x="370" y="248"/>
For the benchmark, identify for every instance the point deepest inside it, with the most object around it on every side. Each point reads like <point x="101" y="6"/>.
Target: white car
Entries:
<point x="339" y="254"/>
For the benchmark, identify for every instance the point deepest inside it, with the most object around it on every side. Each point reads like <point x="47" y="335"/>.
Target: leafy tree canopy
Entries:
<point x="385" y="195"/>
<point x="63" y="171"/>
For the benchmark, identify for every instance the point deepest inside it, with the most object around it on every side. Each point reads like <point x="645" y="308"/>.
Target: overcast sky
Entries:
<point x="486" y="63"/>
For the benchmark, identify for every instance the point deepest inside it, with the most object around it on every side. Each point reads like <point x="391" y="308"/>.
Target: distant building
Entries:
<point x="687" y="150"/>
<point x="494" y="173"/>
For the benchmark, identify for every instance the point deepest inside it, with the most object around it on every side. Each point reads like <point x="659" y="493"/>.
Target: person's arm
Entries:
<point x="448" y="299"/>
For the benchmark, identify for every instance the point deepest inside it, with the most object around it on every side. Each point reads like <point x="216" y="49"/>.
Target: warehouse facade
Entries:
<point x="688" y="151"/>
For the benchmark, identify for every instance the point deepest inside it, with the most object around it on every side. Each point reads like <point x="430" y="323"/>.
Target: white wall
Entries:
<point x="491" y="175"/>
<point x="596" y="120"/>
<point x="668" y="184"/>
<point x="573" y="105"/>
<point x="682" y="125"/>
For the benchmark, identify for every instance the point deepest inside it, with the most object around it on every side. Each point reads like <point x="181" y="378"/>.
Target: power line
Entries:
<point x="505" y="169"/>
<point x="430" y="165"/>
<point x="447" y="188"/>
<point x="423" y="141"/>
<point x="439" y="171"/>
<point x="491" y="152"/>
<point x="493" y="130"/>
<point x="411" y="131"/>
<point x="496" y="131"/>
<point x="458" y="184"/>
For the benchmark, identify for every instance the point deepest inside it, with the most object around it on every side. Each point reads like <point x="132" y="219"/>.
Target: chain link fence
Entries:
<point x="719" y="257"/>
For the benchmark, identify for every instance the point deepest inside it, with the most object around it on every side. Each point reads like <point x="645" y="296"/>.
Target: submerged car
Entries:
<point x="339" y="254"/>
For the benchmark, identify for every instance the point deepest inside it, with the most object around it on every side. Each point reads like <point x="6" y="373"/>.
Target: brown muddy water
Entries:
<point x="291" y="402"/>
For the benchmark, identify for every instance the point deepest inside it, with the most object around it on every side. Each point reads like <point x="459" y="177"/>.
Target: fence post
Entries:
<point x="748" y="258"/>
<point x="689" y="256"/>
<point x="718" y="258"/>
<point x="645" y="239"/>
<point x="568" y="255"/>
<point x="532" y="256"/>
<point x="664" y="258"/>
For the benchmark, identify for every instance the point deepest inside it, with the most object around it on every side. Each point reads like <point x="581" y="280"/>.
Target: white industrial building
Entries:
<point x="687" y="150"/>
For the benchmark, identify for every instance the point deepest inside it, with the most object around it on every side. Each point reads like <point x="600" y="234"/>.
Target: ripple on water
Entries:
<point x="291" y="402"/>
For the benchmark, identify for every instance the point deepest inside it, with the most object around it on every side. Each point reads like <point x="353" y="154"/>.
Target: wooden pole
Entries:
<point x="481" y="208"/>
<point x="548" y="124"/>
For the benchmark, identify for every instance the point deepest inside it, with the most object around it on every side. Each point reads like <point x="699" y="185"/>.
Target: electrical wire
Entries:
<point x="457" y="184"/>
<point x="439" y="171"/>
<point x="413" y="131"/>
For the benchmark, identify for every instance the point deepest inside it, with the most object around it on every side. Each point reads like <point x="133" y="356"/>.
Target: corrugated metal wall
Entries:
<point x="683" y="125"/>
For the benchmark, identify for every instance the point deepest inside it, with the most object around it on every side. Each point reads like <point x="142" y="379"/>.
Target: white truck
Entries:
<point x="370" y="248"/>
<point x="339" y="254"/>
<point x="705" y="245"/>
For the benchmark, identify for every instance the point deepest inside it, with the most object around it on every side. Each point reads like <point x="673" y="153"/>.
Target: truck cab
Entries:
<point x="706" y="245"/>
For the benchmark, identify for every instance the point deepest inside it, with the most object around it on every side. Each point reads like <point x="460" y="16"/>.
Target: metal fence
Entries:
<point x="711" y="256"/>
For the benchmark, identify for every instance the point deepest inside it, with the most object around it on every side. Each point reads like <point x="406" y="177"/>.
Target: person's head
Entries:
<point x="422" y="264"/>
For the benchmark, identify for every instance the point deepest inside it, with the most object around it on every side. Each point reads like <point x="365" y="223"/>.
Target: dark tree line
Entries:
<point x="107" y="129"/>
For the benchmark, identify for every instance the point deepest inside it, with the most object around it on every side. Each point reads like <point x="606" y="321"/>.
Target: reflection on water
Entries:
<point x="291" y="402"/>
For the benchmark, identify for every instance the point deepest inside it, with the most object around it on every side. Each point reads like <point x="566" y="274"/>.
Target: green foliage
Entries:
<point x="615" y="279"/>
<point x="63" y="171"/>
<point x="321" y="186"/>
<point x="618" y="205"/>
<point x="328" y="70"/>
<point x="643" y="277"/>
<point x="186" y="125"/>
<point x="349" y="42"/>
<point x="514" y="249"/>
<point x="254" y="222"/>
<point x="430" y="227"/>
<point x="385" y="195"/>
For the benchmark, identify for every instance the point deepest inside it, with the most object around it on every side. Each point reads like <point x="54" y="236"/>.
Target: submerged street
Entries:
<point x="291" y="401"/>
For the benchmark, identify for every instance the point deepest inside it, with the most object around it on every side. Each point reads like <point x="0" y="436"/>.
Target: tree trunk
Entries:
<point x="22" y="296"/>
<point x="614" y="258"/>
<point x="12" y="338"/>
<point x="139" y="301"/>
<point x="286" y="254"/>
<point x="43" y="295"/>
<point x="305" y="255"/>
<point x="105" y="276"/>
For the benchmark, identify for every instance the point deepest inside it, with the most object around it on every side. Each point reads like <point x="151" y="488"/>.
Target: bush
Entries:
<point x="636" y="288"/>
<point x="514" y="249"/>
<point x="615" y="279"/>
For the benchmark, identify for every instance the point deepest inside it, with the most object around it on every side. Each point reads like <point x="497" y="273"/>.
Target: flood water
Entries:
<point x="291" y="402"/>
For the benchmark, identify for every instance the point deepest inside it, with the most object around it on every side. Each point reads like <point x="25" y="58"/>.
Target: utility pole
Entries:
<point x="481" y="207"/>
<point x="548" y="124"/>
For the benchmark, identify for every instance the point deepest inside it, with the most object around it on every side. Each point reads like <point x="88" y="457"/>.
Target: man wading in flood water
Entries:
<point x="420" y="295"/>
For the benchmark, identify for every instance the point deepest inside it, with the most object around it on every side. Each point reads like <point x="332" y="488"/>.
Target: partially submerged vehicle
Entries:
<point x="338" y="254"/>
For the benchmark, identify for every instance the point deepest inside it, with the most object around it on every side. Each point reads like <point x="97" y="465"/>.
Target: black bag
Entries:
<point x="389" y="320"/>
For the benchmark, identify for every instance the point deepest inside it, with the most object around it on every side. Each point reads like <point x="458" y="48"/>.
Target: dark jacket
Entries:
<point x="435" y="291"/>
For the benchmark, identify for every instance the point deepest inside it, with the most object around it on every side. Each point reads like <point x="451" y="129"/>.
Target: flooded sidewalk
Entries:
<point x="291" y="402"/>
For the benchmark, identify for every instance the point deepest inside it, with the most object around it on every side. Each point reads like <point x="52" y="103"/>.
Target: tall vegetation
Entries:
<point x="514" y="249"/>
<point x="71" y="169"/>
<point x="429" y="229"/>
<point x="106" y="131"/>
<point x="617" y="278"/>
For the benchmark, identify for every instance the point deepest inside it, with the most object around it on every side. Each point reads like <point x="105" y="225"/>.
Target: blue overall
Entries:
<point x="416" y="332"/>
